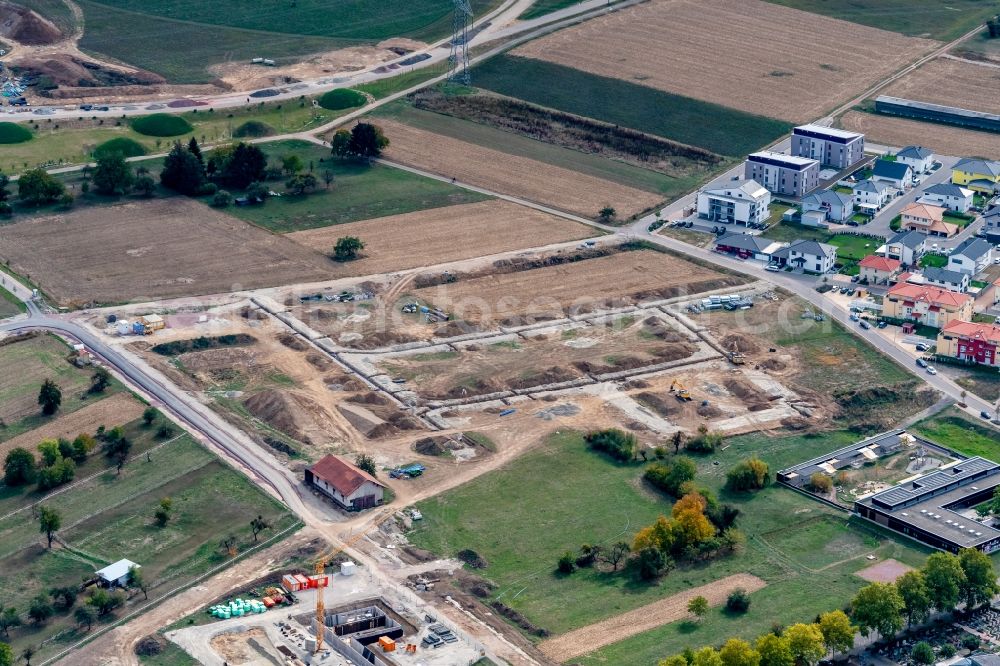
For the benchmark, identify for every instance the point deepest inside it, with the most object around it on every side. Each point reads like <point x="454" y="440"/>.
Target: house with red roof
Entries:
<point x="348" y="486"/>
<point x="923" y="304"/>
<point x="877" y="270"/>
<point x="973" y="343"/>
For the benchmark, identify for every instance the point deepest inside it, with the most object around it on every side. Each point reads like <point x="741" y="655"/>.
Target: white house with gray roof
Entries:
<point x="946" y="279"/>
<point x="971" y="256"/>
<point x="870" y="195"/>
<point x="897" y="174"/>
<point x="746" y="203"/>
<point x="810" y="256"/>
<point x="836" y="207"/>
<point x="918" y="158"/>
<point x="907" y="247"/>
<point x="947" y="195"/>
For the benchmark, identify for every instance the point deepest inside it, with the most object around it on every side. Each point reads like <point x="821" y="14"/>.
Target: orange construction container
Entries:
<point x="319" y="580"/>
<point x="387" y="644"/>
<point x="291" y="583"/>
<point x="267" y="601"/>
<point x="303" y="581"/>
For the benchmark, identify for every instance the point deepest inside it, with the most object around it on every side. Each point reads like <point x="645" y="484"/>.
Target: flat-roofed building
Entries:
<point x="783" y="174"/>
<point x="829" y="146"/>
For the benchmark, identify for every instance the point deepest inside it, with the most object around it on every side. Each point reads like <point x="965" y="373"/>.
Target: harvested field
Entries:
<point x="886" y="571"/>
<point x="114" y="410"/>
<point x="595" y="636"/>
<point x="544" y="358"/>
<point x="518" y="176"/>
<point x="942" y="139"/>
<point x="812" y="63"/>
<point x="444" y="234"/>
<point x="952" y="83"/>
<point x="154" y="249"/>
<point x="553" y="291"/>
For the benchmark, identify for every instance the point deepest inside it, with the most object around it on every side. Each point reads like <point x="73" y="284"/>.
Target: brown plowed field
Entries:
<point x="440" y="235"/>
<point x="112" y="411"/>
<point x="746" y="54"/>
<point x="553" y="291"/>
<point x="509" y="174"/>
<point x="952" y="83"/>
<point x="670" y="609"/>
<point x="162" y="248"/>
<point x="942" y="139"/>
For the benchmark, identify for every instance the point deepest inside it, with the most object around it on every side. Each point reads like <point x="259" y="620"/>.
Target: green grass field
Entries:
<point x="10" y="304"/>
<point x="958" y="431"/>
<point x="359" y="192"/>
<point x="710" y="126"/>
<point x="574" y="160"/>
<point x="110" y="517"/>
<point x="809" y="572"/>
<point x="26" y="365"/>
<point x="180" y="39"/>
<point x="853" y="248"/>
<point x="917" y="18"/>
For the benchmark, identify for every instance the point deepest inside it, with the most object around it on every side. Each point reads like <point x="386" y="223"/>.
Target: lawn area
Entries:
<point x="516" y="144"/>
<point x="359" y="192"/>
<point x="956" y="430"/>
<point x="934" y="260"/>
<point x="543" y="7"/>
<point x="710" y="126"/>
<point x="981" y="381"/>
<point x="111" y="517"/>
<point x="56" y="143"/>
<point x="961" y="220"/>
<point x="385" y="87"/>
<point x="918" y="18"/>
<point x="853" y="248"/>
<point x="10" y="304"/>
<point x="787" y="232"/>
<point x="26" y="364"/>
<point x="794" y="543"/>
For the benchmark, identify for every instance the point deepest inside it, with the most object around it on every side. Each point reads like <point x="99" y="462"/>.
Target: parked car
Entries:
<point x="855" y="317"/>
<point x="931" y="370"/>
<point x="921" y="347"/>
<point x="774" y="268"/>
<point x="865" y="325"/>
<point x="921" y="363"/>
<point x="986" y="415"/>
<point x="882" y="324"/>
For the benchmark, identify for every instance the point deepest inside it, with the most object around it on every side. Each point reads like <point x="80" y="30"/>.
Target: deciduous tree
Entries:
<point x="979" y="584"/>
<point x="878" y="607"/>
<point x="36" y="186"/>
<point x="775" y="651"/>
<point x="113" y="176"/>
<point x="944" y="578"/>
<point x="258" y="525"/>
<point x="838" y="632"/>
<point x="49" y="397"/>
<point x="347" y="248"/>
<point x="806" y="642"/>
<point x="19" y="467"/>
<point x="912" y="588"/>
<point x="698" y="607"/>
<point x="49" y="522"/>
<point x="367" y="140"/>
<point x="736" y="652"/>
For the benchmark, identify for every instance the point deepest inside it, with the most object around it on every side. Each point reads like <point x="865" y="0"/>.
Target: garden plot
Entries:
<point x="942" y="139"/>
<point x="153" y="249"/>
<point x="538" y="358"/>
<point x="810" y="64"/>
<point x="510" y="174"/>
<point x="445" y="234"/>
<point x="542" y="289"/>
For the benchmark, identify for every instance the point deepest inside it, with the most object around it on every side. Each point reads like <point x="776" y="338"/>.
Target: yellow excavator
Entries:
<point x="323" y="580"/>
<point x="678" y="389"/>
<point x="736" y="357"/>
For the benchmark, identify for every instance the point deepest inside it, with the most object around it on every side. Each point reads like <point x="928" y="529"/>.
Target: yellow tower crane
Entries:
<point x="323" y="581"/>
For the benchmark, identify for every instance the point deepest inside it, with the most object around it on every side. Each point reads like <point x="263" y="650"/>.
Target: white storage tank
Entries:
<point x="123" y="326"/>
<point x="347" y="568"/>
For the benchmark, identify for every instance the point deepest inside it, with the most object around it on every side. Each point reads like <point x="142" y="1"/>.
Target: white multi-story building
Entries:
<point x="746" y="203"/>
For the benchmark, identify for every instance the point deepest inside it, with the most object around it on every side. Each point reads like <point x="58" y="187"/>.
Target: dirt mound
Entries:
<point x="752" y="396"/>
<point x="477" y="387"/>
<point x="293" y="342"/>
<point x="24" y="26"/>
<point x="742" y="342"/>
<point x="431" y="446"/>
<point x="772" y="364"/>
<point x="550" y="376"/>
<point x="318" y="361"/>
<point x="280" y="410"/>
<point x="363" y="419"/>
<point x="655" y="327"/>
<point x="709" y="411"/>
<point x="370" y="398"/>
<point x="795" y="423"/>
<point x="659" y="404"/>
<point x="68" y="71"/>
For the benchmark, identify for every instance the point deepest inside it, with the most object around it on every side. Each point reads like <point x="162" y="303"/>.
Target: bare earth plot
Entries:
<point x="154" y="249"/>
<point x="745" y="54"/>
<point x="886" y="571"/>
<point x="952" y="83"/>
<point x="670" y="609"/>
<point x="114" y="410"/>
<point x="552" y="291"/>
<point x="446" y="234"/>
<point x="942" y="139"/>
<point x="510" y="174"/>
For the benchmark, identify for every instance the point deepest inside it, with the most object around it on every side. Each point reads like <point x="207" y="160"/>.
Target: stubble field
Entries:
<point x="952" y="83"/>
<point x="154" y="249"/>
<point x="798" y="67"/>
<point x="942" y="139"/>
<point x="439" y="235"/>
<point x="510" y="174"/>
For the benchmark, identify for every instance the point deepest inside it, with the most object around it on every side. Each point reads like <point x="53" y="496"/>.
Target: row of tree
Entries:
<point x="941" y="584"/>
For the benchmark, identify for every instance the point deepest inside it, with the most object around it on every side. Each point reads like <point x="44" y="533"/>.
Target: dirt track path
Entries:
<point x="672" y="608"/>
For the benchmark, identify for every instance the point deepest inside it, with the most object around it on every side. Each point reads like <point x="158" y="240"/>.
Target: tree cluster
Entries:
<point x="616" y="443"/>
<point x="672" y="475"/>
<point x="748" y="475"/>
<point x="364" y="140"/>
<point x="705" y="441"/>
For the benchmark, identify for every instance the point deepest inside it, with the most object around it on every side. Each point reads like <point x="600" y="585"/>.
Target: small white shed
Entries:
<point x="116" y="575"/>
